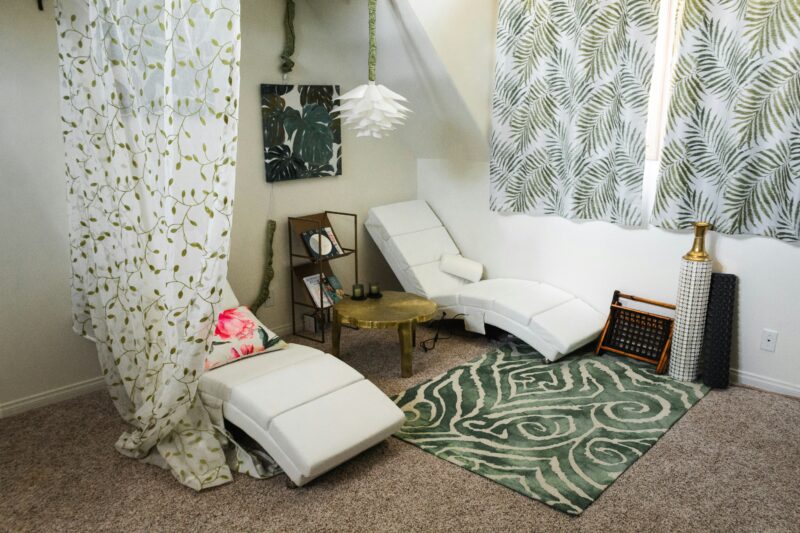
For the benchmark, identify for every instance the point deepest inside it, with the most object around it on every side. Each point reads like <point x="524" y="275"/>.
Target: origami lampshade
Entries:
<point x="372" y="109"/>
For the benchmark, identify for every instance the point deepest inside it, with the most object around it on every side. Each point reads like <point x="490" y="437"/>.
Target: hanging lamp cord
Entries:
<point x="288" y="47"/>
<point x="373" y="48"/>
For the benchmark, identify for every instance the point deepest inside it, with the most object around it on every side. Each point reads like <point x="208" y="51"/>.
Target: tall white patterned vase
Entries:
<point x="690" y="309"/>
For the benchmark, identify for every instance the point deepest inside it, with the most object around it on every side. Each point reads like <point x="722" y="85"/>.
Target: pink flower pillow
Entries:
<point x="239" y="334"/>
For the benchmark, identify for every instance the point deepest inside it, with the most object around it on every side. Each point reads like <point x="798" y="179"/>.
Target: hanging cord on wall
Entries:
<point x="373" y="47"/>
<point x="269" y="271"/>
<point x="288" y="47"/>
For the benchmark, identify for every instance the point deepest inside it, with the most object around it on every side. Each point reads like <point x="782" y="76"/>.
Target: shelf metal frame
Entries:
<point x="303" y="264"/>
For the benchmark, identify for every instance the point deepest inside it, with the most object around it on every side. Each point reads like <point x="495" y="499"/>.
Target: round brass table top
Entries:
<point x="393" y="309"/>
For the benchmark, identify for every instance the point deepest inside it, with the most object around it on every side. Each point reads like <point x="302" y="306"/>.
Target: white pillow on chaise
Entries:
<point x="461" y="267"/>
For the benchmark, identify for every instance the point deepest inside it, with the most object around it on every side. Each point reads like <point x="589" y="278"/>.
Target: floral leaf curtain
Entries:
<point x="149" y="115"/>
<point x="731" y="154"/>
<point x="572" y="84"/>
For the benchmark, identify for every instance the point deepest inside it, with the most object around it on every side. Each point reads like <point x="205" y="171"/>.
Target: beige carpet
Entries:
<point x="732" y="463"/>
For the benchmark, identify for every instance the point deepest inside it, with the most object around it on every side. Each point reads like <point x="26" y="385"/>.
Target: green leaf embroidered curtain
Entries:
<point x="731" y="154"/>
<point x="149" y="117"/>
<point x="572" y="84"/>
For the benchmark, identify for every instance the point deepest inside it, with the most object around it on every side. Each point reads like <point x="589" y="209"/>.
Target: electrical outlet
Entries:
<point x="769" y="338"/>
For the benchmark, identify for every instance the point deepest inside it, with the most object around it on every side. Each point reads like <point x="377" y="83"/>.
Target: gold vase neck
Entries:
<point x="698" y="251"/>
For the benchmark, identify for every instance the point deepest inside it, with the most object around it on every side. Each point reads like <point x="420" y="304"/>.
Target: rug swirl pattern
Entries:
<point x="559" y="433"/>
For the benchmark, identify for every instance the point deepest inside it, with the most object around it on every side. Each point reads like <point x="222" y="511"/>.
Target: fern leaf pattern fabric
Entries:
<point x="559" y="433"/>
<point x="569" y="109"/>
<point x="731" y="154"/>
<point x="149" y="108"/>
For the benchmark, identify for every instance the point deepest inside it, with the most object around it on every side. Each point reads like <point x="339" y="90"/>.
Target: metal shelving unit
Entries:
<point x="303" y="264"/>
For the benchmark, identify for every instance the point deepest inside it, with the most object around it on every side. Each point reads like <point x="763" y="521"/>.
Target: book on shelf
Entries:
<point x="331" y="292"/>
<point x="322" y="243"/>
<point x="334" y="241"/>
<point x="312" y="283"/>
<point x="333" y="288"/>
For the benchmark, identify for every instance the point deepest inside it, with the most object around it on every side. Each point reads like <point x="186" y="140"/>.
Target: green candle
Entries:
<point x="358" y="291"/>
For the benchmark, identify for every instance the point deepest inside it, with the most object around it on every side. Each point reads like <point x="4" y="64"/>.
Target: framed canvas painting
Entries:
<point x="302" y="137"/>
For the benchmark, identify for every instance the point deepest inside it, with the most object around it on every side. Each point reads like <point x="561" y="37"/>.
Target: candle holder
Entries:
<point x="374" y="290"/>
<point x="358" y="292"/>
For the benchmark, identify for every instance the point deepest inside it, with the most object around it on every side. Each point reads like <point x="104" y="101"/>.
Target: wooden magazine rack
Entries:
<point x="636" y="333"/>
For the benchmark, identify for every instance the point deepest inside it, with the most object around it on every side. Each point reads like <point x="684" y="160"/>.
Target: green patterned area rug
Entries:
<point x="559" y="433"/>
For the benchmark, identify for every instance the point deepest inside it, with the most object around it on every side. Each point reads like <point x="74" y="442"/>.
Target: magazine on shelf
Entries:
<point x="321" y="243"/>
<point x="312" y="283"/>
<point x="333" y="288"/>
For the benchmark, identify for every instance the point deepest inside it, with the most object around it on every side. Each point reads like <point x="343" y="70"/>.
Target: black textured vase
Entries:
<point x="716" y="353"/>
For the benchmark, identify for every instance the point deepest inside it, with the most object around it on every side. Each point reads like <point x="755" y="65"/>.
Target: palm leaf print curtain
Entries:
<point x="572" y="84"/>
<point x="149" y="118"/>
<point x="731" y="154"/>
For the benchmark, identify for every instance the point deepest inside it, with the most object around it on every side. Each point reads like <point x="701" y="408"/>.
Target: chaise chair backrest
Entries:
<point x="413" y="240"/>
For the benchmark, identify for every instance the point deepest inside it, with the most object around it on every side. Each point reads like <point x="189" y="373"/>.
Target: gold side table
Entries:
<point x="395" y="309"/>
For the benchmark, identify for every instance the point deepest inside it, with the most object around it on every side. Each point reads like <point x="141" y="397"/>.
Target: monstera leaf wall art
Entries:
<point x="302" y="135"/>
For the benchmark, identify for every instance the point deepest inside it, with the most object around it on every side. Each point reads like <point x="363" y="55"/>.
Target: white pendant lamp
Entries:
<point x="372" y="109"/>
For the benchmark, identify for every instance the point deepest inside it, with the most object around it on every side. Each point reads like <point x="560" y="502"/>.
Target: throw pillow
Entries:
<point x="238" y="335"/>
<point x="461" y="267"/>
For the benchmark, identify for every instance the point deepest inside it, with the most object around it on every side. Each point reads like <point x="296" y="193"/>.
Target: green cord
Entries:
<point x="288" y="48"/>
<point x="373" y="48"/>
<point x="269" y="272"/>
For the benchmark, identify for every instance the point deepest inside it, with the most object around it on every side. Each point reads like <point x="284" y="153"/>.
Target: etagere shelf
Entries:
<point x="303" y="264"/>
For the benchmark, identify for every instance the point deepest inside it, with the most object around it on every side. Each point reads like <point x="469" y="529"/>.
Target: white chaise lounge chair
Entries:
<point x="310" y="411"/>
<point x="414" y="242"/>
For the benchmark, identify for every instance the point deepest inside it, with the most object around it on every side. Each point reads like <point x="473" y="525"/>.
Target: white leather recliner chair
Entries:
<point x="416" y="245"/>
<point x="308" y="410"/>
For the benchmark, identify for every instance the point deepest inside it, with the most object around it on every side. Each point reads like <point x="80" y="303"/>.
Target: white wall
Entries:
<point x="38" y="351"/>
<point x="447" y="24"/>
<point x="592" y="259"/>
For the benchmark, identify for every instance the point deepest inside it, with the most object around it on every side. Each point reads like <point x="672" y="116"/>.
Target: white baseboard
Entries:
<point x="15" y="407"/>
<point x="740" y="377"/>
